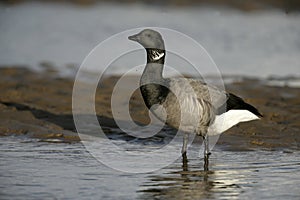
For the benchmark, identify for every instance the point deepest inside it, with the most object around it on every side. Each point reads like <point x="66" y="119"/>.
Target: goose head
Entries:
<point x="149" y="38"/>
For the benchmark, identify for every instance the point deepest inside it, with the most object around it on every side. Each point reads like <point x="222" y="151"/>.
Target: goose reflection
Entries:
<point x="190" y="183"/>
<point x="182" y="184"/>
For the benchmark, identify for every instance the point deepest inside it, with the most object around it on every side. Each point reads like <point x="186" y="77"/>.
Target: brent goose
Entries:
<point x="188" y="104"/>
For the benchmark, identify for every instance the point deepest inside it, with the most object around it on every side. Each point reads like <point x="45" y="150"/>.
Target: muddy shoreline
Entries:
<point x="39" y="105"/>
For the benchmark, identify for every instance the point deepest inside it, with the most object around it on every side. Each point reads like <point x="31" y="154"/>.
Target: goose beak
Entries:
<point x="134" y="37"/>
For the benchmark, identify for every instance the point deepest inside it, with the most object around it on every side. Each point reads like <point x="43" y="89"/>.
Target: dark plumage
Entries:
<point x="234" y="102"/>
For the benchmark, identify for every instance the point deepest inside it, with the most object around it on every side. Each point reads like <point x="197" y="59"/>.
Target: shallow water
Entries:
<point x="37" y="170"/>
<point x="252" y="43"/>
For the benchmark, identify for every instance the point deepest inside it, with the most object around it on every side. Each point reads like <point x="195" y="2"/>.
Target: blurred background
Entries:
<point x="247" y="5"/>
<point x="244" y="37"/>
<point x="42" y="159"/>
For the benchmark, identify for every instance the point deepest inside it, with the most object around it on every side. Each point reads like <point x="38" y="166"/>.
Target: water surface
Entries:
<point x="252" y="43"/>
<point x="37" y="170"/>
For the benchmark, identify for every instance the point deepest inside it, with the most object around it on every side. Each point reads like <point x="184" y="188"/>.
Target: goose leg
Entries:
<point x="184" y="149"/>
<point x="206" y="152"/>
<point x="206" y="145"/>
<point x="184" y="163"/>
<point x="185" y="142"/>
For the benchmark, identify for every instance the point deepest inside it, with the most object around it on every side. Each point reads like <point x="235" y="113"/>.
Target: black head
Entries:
<point x="149" y="38"/>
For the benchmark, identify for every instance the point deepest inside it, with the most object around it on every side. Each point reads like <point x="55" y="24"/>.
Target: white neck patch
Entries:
<point x="155" y="55"/>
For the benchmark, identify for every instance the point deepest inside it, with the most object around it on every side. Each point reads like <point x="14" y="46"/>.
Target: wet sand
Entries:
<point x="39" y="105"/>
